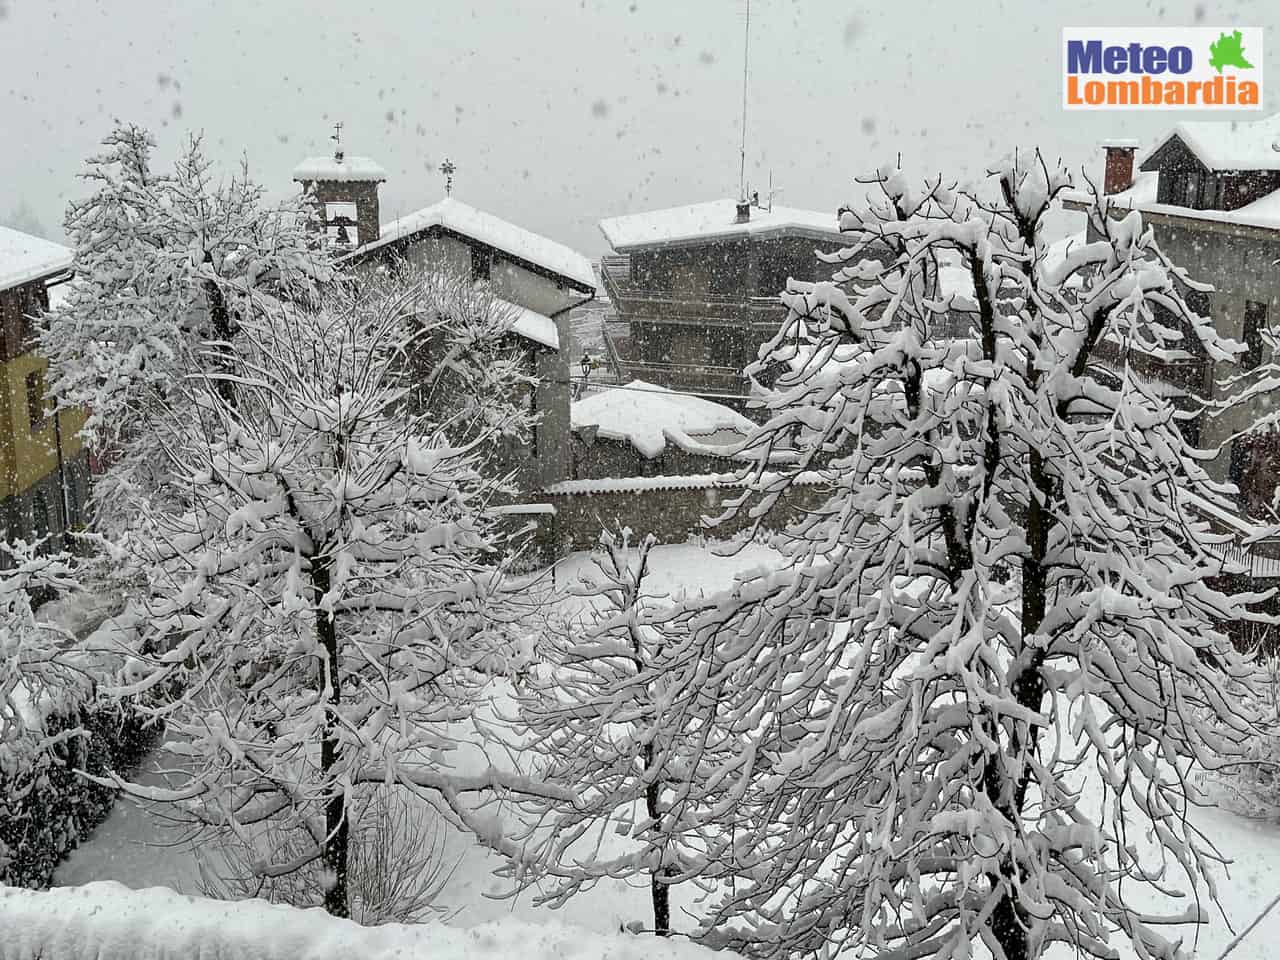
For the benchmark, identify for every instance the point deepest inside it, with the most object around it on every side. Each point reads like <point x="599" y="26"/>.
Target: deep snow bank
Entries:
<point x="104" y="921"/>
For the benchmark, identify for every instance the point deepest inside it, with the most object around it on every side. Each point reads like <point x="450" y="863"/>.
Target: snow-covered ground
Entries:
<point x="107" y="921"/>
<point x="136" y="848"/>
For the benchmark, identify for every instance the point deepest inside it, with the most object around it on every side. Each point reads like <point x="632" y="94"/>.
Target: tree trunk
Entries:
<point x="336" y="828"/>
<point x="1009" y="923"/>
<point x="221" y="317"/>
<point x="661" y="894"/>
<point x="659" y="890"/>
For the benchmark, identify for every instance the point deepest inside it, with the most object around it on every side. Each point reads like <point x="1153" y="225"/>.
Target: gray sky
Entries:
<point x="561" y="112"/>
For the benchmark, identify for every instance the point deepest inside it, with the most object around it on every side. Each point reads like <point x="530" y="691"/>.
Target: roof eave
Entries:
<point x="429" y="229"/>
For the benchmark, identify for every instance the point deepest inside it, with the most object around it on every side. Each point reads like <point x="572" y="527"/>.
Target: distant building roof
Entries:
<point x="714" y="220"/>
<point x="332" y="170"/>
<point x="24" y="258"/>
<point x="1233" y="145"/>
<point x="517" y="242"/>
<point x="648" y="416"/>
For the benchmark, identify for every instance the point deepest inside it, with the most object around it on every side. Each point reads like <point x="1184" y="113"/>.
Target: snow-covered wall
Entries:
<point x="106" y="921"/>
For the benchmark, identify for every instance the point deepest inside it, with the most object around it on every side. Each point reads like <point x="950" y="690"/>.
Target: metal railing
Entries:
<point x="626" y="366"/>
<point x="702" y="307"/>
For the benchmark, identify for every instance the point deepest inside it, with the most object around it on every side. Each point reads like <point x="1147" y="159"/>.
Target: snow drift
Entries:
<point x="104" y="921"/>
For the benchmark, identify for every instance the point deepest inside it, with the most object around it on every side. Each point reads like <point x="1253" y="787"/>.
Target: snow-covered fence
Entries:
<point x="106" y="921"/>
<point x="673" y="509"/>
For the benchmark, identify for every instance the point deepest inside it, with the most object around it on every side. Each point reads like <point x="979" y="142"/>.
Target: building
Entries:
<point x="538" y="280"/>
<point x="1211" y="192"/>
<point x="345" y="190"/>
<point x="695" y="289"/>
<point x="44" y="466"/>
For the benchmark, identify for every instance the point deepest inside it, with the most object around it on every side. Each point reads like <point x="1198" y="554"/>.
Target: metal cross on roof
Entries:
<point x="447" y="168"/>
<point x="337" y="132"/>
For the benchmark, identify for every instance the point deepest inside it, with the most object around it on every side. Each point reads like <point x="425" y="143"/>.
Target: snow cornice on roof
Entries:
<point x="532" y="325"/>
<point x="469" y="224"/>
<point x="715" y="220"/>
<point x="649" y="417"/>
<point x="25" y="259"/>
<point x="1227" y="145"/>
<point x="701" y="481"/>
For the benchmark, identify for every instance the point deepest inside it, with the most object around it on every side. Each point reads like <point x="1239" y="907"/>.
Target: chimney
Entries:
<point x="1118" y="171"/>
<point x="744" y="211"/>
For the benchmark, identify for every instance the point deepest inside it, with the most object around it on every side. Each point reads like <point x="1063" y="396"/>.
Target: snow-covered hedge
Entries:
<point x="104" y="921"/>
<point x="45" y="808"/>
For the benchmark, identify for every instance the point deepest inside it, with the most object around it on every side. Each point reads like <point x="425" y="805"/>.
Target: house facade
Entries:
<point x="536" y="279"/>
<point x="44" y="465"/>
<point x="695" y="289"/>
<point x="1211" y="192"/>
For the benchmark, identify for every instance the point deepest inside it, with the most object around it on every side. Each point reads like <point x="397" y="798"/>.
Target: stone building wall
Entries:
<point x="673" y="514"/>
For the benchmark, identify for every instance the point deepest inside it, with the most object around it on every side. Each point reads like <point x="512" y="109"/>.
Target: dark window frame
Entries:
<point x="481" y="263"/>
<point x="37" y="401"/>
<point x="1255" y="321"/>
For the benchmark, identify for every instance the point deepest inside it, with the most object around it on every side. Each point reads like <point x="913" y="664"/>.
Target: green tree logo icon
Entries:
<point x="1228" y="51"/>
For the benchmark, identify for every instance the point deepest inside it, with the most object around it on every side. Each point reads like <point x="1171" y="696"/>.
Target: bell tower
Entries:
<point x="346" y="196"/>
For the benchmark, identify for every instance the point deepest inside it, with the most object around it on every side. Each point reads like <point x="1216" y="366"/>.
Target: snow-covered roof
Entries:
<point x="716" y="219"/>
<point x="1230" y="145"/>
<point x="1143" y="190"/>
<point x="694" y="481"/>
<point x="332" y="170"/>
<point x="532" y="325"/>
<point x="517" y="242"/>
<point x="24" y="258"/>
<point x="1263" y="213"/>
<point x="648" y="416"/>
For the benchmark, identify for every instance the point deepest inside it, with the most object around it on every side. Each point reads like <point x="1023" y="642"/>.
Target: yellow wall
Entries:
<point x="27" y="456"/>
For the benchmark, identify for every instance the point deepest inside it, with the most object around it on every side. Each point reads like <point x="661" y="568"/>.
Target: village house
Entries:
<point x="537" y="279"/>
<point x="695" y="289"/>
<point x="44" y="465"/>
<point x="1211" y="191"/>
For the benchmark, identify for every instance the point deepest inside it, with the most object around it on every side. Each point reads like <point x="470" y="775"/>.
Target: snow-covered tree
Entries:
<point x="332" y="596"/>
<point x="928" y="718"/>
<point x="37" y="671"/>
<point x="619" y="713"/>
<point x="164" y="262"/>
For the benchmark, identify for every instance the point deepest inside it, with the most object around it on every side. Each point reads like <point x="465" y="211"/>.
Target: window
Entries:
<point x="39" y="516"/>
<point x="340" y="211"/>
<point x="35" y="399"/>
<point x="1191" y="190"/>
<point x="481" y="263"/>
<point x="1212" y="192"/>
<point x="1255" y="321"/>
<point x="531" y="404"/>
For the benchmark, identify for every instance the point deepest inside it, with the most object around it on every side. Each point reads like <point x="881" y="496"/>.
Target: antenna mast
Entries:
<point x="746" y="47"/>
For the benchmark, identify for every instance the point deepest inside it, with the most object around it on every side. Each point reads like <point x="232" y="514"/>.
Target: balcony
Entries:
<point x="627" y="365"/>
<point x="1176" y="377"/>
<point x="678" y="307"/>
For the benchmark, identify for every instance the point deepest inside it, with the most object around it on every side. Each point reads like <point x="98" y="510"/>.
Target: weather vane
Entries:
<point x="337" y="140"/>
<point x="447" y="168"/>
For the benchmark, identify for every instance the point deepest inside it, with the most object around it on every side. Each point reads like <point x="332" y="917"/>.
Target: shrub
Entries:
<point x="46" y="809"/>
